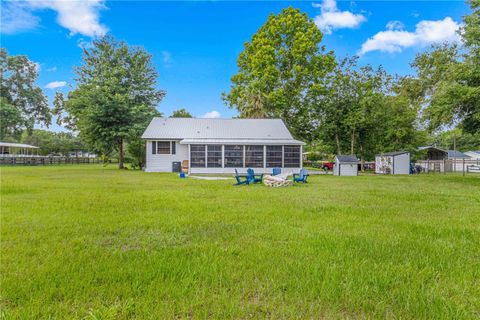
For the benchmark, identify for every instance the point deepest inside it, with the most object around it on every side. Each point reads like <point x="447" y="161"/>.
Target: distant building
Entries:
<point x="17" y="149"/>
<point x="393" y="163"/>
<point x="474" y="155"/>
<point x="345" y="165"/>
<point x="434" y="153"/>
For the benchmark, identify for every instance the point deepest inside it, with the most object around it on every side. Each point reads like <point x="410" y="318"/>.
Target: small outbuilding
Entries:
<point x="393" y="163"/>
<point x="345" y="166"/>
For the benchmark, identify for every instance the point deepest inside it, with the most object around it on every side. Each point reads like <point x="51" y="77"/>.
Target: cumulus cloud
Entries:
<point x="56" y="84"/>
<point x="79" y="17"/>
<point x="427" y="32"/>
<point x="331" y="18"/>
<point x="211" y="114"/>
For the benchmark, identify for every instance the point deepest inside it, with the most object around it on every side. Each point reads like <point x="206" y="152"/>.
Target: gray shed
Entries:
<point x="397" y="162"/>
<point x="345" y="166"/>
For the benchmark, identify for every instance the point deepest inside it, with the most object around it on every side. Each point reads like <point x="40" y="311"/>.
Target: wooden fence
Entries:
<point x="45" y="160"/>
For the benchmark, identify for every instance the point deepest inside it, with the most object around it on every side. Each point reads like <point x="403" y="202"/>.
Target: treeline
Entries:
<point x="340" y="107"/>
<point x="284" y="71"/>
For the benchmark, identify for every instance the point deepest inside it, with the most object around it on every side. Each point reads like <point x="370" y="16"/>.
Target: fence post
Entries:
<point x="463" y="167"/>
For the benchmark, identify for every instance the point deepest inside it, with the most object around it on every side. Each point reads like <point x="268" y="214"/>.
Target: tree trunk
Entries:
<point x="362" y="159"/>
<point x="337" y="141"/>
<point x="352" y="142"/>
<point x="120" y="154"/>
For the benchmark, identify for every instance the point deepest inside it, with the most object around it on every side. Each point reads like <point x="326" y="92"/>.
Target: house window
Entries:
<point x="197" y="155"/>
<point x="254" y="156"/>
<point x="163" y="147"/>
<point x="274" y="156"/>
<point x="233" y="156"/>
<point x="154" y="147"/>
<point x="214" y="156"/>
<point x="291" y="156"/>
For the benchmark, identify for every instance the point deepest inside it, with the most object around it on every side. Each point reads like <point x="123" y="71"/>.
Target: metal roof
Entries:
<point x="17" y="145"/>
<point x="238" y="129"/>
<point x="456" y="154"/>
<point x="393" y="153"/>
<point x="347" y="159"/>
<point x="242" y="141"/>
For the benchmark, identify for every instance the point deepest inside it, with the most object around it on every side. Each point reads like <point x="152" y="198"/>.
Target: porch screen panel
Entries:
<point x="233" y="156"/>
<point x="274" y="156"/>
<point x="291" y="156"/>
<point x="214" y="156"/>
<point x="197" y="155"/>
<point x="254" y="156"/>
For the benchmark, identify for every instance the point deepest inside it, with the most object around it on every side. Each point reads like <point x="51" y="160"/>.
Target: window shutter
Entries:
<point x="173" y="147"/>
<point x="154" y="147"/>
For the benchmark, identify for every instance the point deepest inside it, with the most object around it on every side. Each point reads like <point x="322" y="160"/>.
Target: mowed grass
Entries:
<point x="89" y="242"/>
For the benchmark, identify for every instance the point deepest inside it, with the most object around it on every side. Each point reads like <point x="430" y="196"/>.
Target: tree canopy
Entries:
<point x="22" y="103"/>
<point x="115" y="97"/>
<point x="181" y="113"/>
<point x="279" y="69"/>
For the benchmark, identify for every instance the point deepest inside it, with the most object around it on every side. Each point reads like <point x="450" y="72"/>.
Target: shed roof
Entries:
<point x="347" y="159"/>
<point x="393" y="153"/>
<point x="456" y="154"/>
<point x="17" y="145"/>
<point x="238" y="129"/>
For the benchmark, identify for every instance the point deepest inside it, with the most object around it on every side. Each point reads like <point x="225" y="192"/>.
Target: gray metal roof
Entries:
<point x="347" y="159"/>
<point x="393" y="153"/>
<point x="238" y="129"/>
<point x="242" y="141"/>
<point x="456" y="154"/>
<point x="17" y="145"/>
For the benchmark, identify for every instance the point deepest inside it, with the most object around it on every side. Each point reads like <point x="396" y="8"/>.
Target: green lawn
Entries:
<point x="99" y="243"/>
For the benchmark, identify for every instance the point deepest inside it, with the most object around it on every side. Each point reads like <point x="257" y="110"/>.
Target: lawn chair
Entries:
<point x="241" y="179"/>
<point x="301" y="177"/>
<point x="276" y="171"/>
<point x="254" y="178"/>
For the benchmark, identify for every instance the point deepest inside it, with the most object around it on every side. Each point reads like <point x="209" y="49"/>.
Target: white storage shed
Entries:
<point x="393" y="163"/>
<point x="345" y="166"/>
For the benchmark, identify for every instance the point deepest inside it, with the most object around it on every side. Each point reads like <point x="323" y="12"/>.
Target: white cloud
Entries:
<point x="56" y="84"/>
<point x="52" y="69"/>
<point x="17" y="17"/>
<point x="395" y="25"/>
<point x="427" y="32"/>
<point x="331" y="18"/>
<point x="211" y="114"/>
<point x="78" y="16"/>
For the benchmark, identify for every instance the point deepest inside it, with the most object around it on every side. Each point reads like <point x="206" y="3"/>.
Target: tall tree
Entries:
<point x="451" y="79"/>
<point x="279" y="69"/>
<point x="181" y="113"/>
<point x="115" y="97"/>
<point x="22" y="102"/>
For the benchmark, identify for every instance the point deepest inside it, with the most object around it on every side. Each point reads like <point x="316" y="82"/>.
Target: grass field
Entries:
<point x="88" y="242"/>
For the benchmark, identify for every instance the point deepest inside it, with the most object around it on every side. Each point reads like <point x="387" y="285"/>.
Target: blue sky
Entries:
<point x="195" y="44"/>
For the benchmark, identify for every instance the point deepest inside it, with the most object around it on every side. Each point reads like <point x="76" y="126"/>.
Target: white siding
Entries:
<point x="163" y="162"/>
<point x="348" y="169"/>
<point x="401" y="164"/>
<point x="240" y="170"/>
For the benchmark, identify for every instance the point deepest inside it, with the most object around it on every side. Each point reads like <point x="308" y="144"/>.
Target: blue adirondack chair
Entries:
<point x="254" y="178"/>
<point x="241" y="179"/>
<point x="276" y="171"/>
<point x="301" y="177"/>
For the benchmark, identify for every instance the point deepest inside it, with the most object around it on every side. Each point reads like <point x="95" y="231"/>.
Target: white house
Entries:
<point x="345" y="166"/>
<point x="393" y="163"/>
<point x="220" y="145"/>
